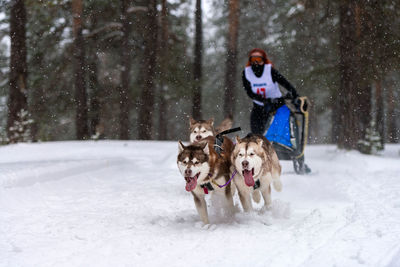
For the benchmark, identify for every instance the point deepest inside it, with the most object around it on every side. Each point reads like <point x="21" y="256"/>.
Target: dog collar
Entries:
<point x="256" y="184"/>
<point x="207" y="187"/>
<point x="221" y="186"/>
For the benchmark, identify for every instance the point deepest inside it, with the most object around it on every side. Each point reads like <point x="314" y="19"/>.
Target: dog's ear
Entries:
<point x="192" y="121"/>
<point x="237" y="139"/>
<point x="206" y="149"/>
<point x="211" y="121"/>
<point x="181" y="146"/>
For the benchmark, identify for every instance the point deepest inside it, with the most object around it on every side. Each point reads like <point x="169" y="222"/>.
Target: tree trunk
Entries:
<point x="17" y="100"/>
<point x="82" y="129"/>
<point x="149" y="67"/>
<point x="38" y="102"/>
<point x="94" y="120"/>
<point x="367" y="36"/>
<point x="231" y="59"/>
<point x="164" y="56"/>
<point x="126" y="63"/>
<point x="348" y="131"/>
<point x="392" y="132"/>
<point x="197" y="66"/>
<point x="335" y="117"/>
<point x="380" y="120"/>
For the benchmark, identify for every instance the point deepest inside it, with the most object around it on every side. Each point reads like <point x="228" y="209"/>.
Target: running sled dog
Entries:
<point x="257" y="166"/>
<point x="206" y="172"/>
<point x="200" y="129"/>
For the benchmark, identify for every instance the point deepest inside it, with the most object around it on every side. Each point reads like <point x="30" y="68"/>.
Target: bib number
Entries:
<point x="261" y="91"/>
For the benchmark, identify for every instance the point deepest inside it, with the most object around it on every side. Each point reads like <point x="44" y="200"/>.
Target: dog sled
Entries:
<point x="287" y="130"/>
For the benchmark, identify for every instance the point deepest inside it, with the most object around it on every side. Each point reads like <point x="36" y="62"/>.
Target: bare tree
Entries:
<point x="231" y="59"/>
<point x="17" y="100"/>
<point x="197" y="65"/>
<point x="82" y="129"/>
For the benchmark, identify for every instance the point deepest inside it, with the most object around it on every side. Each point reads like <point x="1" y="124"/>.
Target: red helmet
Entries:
<point x="262" y="52"/>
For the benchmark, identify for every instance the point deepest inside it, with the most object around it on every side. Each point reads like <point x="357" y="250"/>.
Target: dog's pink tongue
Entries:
<point x="248" y="177"/>
<point x="191" y="185"/>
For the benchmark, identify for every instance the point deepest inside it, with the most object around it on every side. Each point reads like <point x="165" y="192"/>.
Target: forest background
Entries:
<point x="125" y="69"/>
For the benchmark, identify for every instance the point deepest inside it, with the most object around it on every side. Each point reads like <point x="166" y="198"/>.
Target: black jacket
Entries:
<point x="276" y="77"/>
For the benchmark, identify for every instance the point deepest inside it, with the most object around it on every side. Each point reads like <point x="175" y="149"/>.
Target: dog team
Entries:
<point x="213" y="164"/>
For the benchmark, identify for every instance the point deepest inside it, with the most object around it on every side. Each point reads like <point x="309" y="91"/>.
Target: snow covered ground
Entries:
<point x="115" y="203"/>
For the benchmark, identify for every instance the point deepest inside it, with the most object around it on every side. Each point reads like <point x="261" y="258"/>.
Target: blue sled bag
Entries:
<point x="279" y="131"/>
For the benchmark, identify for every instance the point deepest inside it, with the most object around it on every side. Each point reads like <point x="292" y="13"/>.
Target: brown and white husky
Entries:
<point x="200" y="129"/>
<point x="205" y="172"/>
<point x="257" y="166"/>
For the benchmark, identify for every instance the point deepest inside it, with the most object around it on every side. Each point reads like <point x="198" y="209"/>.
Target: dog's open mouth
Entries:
<point x="191" y="182"/>
<point x="248" y="177"/>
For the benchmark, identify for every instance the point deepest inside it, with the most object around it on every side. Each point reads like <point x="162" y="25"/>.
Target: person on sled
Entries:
<point x="260" y="80"/>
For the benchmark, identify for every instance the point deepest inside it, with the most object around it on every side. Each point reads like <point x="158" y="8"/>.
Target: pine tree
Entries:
<point x="20" y="131"/>
<point x="372" y="142"/>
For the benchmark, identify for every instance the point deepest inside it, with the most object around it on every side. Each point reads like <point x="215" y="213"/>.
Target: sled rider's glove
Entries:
<point x="296" y="102"/>
<point x="274" y="102"/>
<point x="291" y="95"/>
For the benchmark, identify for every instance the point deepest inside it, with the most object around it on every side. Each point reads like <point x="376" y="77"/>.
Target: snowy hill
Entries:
<point x="115" y="203"/>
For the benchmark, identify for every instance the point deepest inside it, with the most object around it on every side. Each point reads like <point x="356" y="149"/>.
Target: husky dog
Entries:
<point x="258" y="166"/>
<point x="203" y="128"/>
<point x="206" y="172"/>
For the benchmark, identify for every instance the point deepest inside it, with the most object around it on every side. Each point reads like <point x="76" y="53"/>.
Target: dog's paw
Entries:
<point x="212" y="227"/>
<point x="267" y="221"/>
<point x="205" y="226"/>
<point x="265" y="208"/>
<point x="278" y="185"/>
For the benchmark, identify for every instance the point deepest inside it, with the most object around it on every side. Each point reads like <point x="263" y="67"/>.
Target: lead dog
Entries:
<point x="206" y="172"/>
<point x="257" y="166"/>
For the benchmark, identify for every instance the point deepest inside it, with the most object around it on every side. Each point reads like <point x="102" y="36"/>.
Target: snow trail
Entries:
<point x="115" y="203"/>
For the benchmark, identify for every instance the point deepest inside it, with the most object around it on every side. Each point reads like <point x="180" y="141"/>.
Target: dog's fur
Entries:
<point x="254" y="158"/>
<point x="203" y="128"/>
<point x="199" y="164"/>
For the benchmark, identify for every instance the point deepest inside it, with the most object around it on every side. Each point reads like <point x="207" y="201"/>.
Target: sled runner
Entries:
<point x="287" y="130"/>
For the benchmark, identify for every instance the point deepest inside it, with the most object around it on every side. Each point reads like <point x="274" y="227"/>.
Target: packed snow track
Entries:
<point x="116" y="203"/>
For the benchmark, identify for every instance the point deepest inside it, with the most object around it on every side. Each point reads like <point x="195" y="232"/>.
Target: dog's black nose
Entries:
<point x="198" y="137"/>
<point x="188" y="172"/>
<point x="245" y="164"/>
